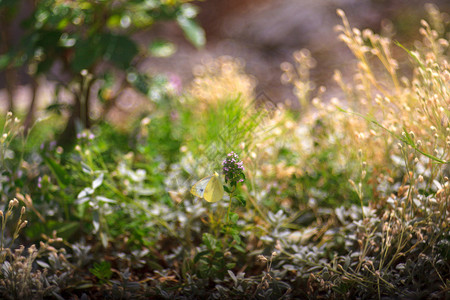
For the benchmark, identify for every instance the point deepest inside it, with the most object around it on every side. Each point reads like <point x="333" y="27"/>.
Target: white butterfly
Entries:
<point x="209" y="188"/>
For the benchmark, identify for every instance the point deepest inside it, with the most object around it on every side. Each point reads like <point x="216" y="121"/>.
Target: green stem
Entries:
<point x="229" y="208"/>
<point x="3" y="230"/>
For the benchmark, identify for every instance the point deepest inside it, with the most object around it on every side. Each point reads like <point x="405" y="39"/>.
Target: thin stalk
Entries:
<point x="229" y="208"/>
<point x="3" y="232"/>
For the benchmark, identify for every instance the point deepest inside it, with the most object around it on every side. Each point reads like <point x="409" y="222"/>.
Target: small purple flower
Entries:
<point x="91" y="136"/>
<point x="233" y="169"/>
<point x="175" y="83"/>
<point x="39" y="184"/>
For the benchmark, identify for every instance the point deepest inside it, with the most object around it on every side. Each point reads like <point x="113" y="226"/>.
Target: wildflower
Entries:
<point x="175" y="83"/>
<point x="233" y="169"/>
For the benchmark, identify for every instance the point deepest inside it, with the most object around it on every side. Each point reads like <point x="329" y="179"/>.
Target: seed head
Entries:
<point x="261" y="258"/>
<point x="24" y="223"/>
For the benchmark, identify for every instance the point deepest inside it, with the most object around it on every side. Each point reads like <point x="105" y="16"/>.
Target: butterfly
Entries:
<point x="209" y="188"/>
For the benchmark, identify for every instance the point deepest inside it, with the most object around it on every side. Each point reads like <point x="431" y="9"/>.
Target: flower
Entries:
<point x="233" y="169"/>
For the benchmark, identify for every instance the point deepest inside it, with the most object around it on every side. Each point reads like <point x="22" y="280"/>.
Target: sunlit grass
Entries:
<point x="348" y="199"/>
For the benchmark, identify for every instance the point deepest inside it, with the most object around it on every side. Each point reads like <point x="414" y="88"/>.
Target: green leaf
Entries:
<point x="87" y="191"/>
<point x="193" y="32"/>
<point x="239" y="248"/>
<point x="4" y="61"/>
<point x="241" y="200"/>
<point x="200" y="255"/>
<point x="98" y="181"/>
<point x="104" y="239"/>
<point x="120" y="50"/>
<point x="68" y="229"/>
<point x="234" y="217"/>
<point x="84" y="285"/>
<point x="85" y="168"/>
<point x="87" y="52"/>
<point x="237" y="238"/>
<point x="162" y="49"/>
<point x="105" y="200"/>
<point x="410" y="54"/>
<point x="45" y="65"/>
<point x="218" y="257"/>
<point x="140" y="81"/>
<point x="230" y="266"/>
<point x="408" y="137"/>
<point x="96" y="221"/>
<point x="114" y="21"/>
<point x="209" y="240"/>
<point x="101" y="270"/>
<point x="61" y="175"/>
<point x="232" y="275"/>
<point x="48" y="39"/>
<point x="226" y="189"/>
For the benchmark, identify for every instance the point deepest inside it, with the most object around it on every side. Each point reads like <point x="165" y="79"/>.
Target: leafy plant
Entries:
<point x="102" y="271"/>
<point x="91" y="42"/>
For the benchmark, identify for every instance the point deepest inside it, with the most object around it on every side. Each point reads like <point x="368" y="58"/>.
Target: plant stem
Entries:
<point x="3" y="230"/>
<point x="229" y="208"/>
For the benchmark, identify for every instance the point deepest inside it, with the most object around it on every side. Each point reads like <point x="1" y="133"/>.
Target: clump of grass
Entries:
<point x="19" y="226"/>
<point x="405" y="235"/>
<point x="316" y="234"/>
<point x="220" y="80"/>
<point x="19" y="277"/>
<point x="222" y="115"/>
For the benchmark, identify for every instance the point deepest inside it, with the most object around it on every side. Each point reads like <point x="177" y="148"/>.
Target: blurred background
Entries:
<point x="265" y="33"/>
<point x="261" y="33"/>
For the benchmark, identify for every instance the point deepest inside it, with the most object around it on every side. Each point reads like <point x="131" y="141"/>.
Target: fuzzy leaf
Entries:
<point x="193" y="32"/>
<point x="98" y="181"/>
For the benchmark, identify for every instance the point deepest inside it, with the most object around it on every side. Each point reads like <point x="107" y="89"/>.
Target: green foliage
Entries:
<point x="61" y="175"/>
<point x="220" y="129"/>
<point x="212" y="262"/>
<point x="102" y="271"/>
<point x="93" y="43"/>
<point x="114" y="217"/>
<point x="83" y="33"/>
<point x="162" y="48"/>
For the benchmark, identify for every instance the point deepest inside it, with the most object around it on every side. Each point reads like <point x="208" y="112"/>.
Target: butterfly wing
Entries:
<point x="214" y="189"/>
<point x="198" y="189"/>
